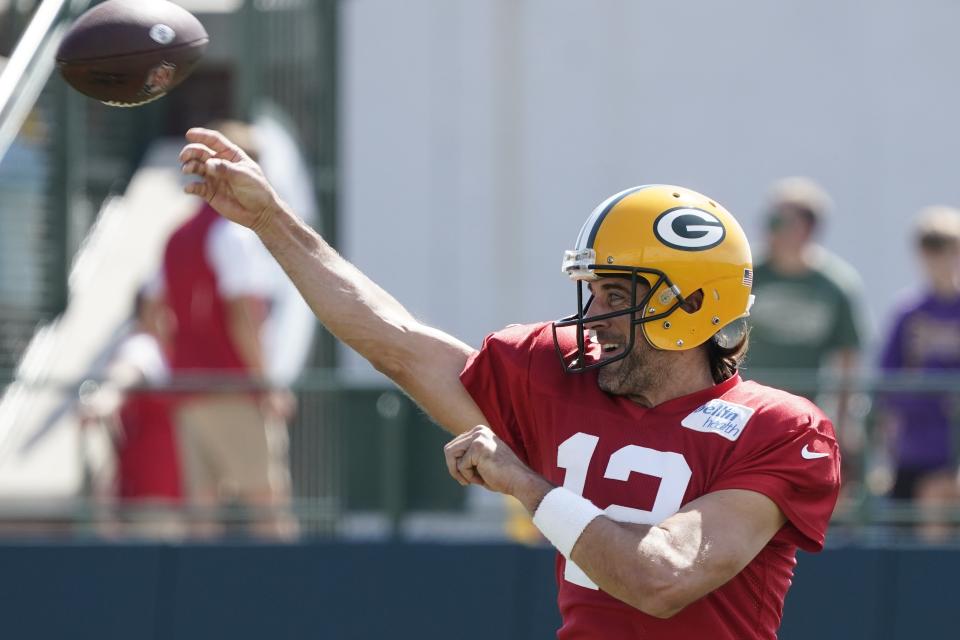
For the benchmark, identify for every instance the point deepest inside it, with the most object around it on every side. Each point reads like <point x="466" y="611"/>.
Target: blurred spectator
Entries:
<point x="807" y="313"/>
<point x="147" y="467"/>
<point x="232" y="432"/>
<point x="925" y="337"/>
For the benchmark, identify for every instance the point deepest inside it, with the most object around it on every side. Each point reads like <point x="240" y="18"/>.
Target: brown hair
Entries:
<point x="724" y="361"/>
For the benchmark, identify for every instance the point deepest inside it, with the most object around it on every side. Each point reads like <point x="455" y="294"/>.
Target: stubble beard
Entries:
<point x="634" y="375"/>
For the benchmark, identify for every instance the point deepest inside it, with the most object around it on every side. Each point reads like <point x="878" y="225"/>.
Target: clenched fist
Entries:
<point x="479" y="457"/>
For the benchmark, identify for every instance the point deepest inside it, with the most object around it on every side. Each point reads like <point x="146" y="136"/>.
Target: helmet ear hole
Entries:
<point x="693" y="302"/>
<point x="731" y="334"/>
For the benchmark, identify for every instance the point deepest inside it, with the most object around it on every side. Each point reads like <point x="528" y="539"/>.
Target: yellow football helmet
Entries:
<point x="679" y="242"/>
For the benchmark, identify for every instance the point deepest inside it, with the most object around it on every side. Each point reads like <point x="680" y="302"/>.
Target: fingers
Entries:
<point x="463" y="454"/>
<point x="194" y="167"/>
<point x="214" y="140"/>
<point x="199" y="159"/>
<point x="196" y="151"/>
<point x="452" y="452"/>
<point x="465" y="472"/>
<point x="197" y="189"/>
<point x="206" y="189"/>
<point x="203" y="168"/>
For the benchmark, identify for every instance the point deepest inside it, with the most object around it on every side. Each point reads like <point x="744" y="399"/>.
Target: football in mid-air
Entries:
<point x="129" y="52"/>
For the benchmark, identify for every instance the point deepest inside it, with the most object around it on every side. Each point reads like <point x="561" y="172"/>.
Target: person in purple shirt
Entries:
<point x="925" y="337"/>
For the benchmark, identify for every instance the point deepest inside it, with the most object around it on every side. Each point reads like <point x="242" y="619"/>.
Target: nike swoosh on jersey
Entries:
<point x="811" y="455"/>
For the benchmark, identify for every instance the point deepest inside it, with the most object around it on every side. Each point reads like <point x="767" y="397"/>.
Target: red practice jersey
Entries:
<point x="642" y="465"/>
<point x="201" y="342"/>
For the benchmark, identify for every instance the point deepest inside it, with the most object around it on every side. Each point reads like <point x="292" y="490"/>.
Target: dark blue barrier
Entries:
<point x="835" y="594"/>
<point x="875" y="594"/>
<point x="398" y="591"/>
<point x="264" y="592"/>
<point x="926" y="595"/>
<point x="79" y="592"/>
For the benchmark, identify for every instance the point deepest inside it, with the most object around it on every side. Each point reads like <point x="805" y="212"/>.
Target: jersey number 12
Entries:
<point x="574" y="455"/>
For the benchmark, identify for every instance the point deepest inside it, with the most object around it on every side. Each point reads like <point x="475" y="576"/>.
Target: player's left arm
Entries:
<point x="663" y="568"/>
<point x="658" y="569"/>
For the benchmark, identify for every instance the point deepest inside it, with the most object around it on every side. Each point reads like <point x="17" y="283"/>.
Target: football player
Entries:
<point x="676" y="493"/>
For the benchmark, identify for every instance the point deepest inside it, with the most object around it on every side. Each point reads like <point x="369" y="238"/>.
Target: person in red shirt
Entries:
<point x="231" y="427"/>
<point x="148" y="466"/>
<point x="132" y="397"/>
<point x="676" y="493"/>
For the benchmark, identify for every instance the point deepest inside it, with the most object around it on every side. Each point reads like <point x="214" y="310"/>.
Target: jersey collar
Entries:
<point x="697" y="398"/>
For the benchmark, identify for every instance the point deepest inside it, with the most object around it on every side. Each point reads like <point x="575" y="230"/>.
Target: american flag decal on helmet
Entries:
<point x="748" y="277"/>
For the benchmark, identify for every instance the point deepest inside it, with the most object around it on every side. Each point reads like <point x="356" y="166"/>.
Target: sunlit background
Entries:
<point x="451" y="149"/>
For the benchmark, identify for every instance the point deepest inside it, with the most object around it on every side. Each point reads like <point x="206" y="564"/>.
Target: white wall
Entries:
<point x="478" y="134"/>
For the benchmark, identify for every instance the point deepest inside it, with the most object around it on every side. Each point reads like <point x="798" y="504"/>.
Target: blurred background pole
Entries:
<point x="248" y="60"/>
<point x="392" y="409"/>
<point x="67" y="189"/>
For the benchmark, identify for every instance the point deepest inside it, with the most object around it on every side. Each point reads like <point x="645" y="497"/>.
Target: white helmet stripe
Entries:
<point x="588" y="232"/>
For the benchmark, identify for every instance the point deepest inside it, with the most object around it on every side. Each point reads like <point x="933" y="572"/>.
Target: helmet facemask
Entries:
<point x="580" y="266"/>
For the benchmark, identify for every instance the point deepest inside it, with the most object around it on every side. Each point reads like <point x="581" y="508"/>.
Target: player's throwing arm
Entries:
<point x="424" y="361"/>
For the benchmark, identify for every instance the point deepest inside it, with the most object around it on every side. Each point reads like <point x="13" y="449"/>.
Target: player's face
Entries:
<point x="642" y="368"/>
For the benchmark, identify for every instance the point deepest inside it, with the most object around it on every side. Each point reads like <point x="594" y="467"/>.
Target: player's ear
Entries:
<point x="693" y="302"/>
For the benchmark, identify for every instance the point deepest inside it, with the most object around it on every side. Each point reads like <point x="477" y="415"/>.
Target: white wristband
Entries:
<point x="562" y="516"/>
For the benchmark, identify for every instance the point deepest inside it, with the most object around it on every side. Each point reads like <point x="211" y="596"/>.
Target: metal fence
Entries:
<point x="366" y="462"/>
<point x="360" y="460"/>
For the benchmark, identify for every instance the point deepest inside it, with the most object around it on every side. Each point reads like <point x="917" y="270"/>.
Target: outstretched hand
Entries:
<point x="230" y="181"/>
